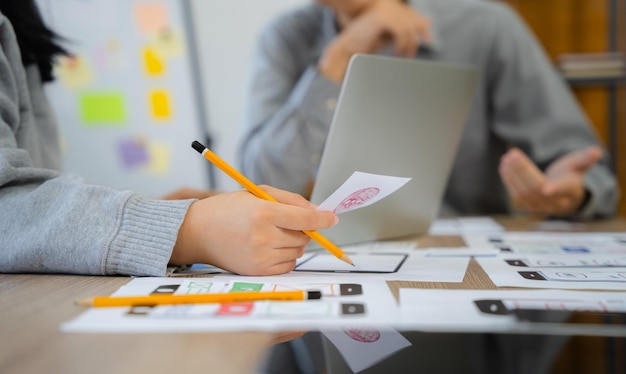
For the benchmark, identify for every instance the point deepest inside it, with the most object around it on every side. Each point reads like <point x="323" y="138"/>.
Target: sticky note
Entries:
<point x="151" y="17"/>
<point x="160" y="155"/>
<point x="160" y="105"/>
<point x="133" y="152"/>
<point x="169" y="43"/>
<point x="102" y="108"/>
<point x="74" y="71"/>
<point x="153" y="62"/>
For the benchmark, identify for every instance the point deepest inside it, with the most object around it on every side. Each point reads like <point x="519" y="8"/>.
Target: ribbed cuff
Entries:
<point x="146" y="236"/>
<point x="603" y="195"/>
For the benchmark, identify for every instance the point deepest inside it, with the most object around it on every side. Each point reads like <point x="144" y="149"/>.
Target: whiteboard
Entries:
<point x="127" y="103"/>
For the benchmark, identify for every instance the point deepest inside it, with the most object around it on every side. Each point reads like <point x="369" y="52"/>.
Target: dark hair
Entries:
<point x="38" y="44"/>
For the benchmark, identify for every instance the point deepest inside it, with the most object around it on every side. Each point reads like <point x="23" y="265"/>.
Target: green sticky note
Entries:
<point x="102" y="109"/>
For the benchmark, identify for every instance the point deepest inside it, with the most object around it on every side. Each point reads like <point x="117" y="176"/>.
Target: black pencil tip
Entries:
<point x="198" y="146"/>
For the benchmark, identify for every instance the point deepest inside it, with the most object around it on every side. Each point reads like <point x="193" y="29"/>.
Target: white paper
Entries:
<point x="464" y="225"/>
<point x="363" y="346"/>
<point x="461" y="252"/>
<point x="436" y="310"/>
<point x="370" y="262"/>
<point x="543" y="243"/>
<point x="418" y="266"/>
<point x="344" y="301"/>
<point x="503" y="274"/>
<point x="571" y="261"/>
<point x="361" y="190"/>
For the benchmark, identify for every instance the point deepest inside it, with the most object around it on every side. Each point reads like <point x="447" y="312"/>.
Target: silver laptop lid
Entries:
<point x="400" y="117"/>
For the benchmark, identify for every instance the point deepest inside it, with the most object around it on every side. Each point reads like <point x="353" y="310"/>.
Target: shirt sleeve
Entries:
<point x="534" y="109"/>
<point x="56" y="223"/>
<point x="288" y="114"/>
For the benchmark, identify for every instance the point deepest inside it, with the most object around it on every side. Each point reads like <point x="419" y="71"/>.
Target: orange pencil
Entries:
<point x="258" y="192"/>
<point x="207" y="298"/>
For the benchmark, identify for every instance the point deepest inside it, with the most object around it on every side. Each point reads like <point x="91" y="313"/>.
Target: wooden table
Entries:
<point x="32" y="307"/>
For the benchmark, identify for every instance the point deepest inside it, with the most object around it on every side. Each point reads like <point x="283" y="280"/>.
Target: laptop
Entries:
<point x="400" y="117"/>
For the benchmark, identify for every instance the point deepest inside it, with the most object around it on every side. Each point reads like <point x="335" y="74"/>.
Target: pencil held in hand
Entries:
<point x="260" y="193"/>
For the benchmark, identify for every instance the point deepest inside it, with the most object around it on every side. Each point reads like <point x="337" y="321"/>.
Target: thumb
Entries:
<point x="581" y="160"/>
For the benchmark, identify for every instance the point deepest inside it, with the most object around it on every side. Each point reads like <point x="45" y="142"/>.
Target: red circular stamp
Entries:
<point x="356" y="199"/>
<point x="363" y="335"/>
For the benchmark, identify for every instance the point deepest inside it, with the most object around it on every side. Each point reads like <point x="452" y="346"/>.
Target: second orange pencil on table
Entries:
<point x="230" y="297"/>
<point x="258" y="192"/>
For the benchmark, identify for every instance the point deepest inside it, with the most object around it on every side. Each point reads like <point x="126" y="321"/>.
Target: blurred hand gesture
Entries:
<point x="560" y="191"/>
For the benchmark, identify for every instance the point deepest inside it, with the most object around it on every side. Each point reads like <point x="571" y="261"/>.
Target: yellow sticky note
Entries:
<point x="102" y="108"/>
<point x="153" y="62"/>
<point x="74" y="71"/>
<point x="169" y="43"/>
<point x="160" y="155"/>
<point x="160" y="105"/>
<point x="151" y="17"/>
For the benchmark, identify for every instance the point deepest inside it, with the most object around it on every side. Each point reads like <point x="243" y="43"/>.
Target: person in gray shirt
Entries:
<point x="51" y="222"/>
<point x="526" y="144"/>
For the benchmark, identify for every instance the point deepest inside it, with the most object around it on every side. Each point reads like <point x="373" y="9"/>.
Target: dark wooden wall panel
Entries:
<point x="582" y="26"/>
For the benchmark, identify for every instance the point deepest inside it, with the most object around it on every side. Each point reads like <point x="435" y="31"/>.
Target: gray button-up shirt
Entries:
<point x="521" y="101"/>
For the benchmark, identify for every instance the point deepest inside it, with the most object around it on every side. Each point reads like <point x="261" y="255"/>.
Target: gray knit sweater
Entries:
<point x="57" y="223"/>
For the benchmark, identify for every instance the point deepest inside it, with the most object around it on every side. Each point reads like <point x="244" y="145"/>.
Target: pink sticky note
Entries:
<point x="151" y="17"/>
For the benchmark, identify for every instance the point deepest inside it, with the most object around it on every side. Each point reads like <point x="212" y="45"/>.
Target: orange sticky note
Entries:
<point x="151" y="17"/>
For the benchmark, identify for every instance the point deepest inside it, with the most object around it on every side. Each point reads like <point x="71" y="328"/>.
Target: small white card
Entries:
<point x="361" y="190"/>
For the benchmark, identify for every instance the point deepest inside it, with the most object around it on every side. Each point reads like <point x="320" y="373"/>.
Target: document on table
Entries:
<point x="590" y="271"/>
<point x="434" y="310"/>
<point x="364" y="262"/>
<point x="343" y="301"/>
<point x="544" y="243"/>
<point x="402" y="262"/>
<point x="464" y="225"/>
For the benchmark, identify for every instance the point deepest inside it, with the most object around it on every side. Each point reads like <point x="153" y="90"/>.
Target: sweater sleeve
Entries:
<point x="536" y="111"/>
<point x="56" y="223"/>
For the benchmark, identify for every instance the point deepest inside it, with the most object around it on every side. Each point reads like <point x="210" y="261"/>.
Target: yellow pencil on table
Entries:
<point x="258" y="192"/>
<point x="231" y="297"/>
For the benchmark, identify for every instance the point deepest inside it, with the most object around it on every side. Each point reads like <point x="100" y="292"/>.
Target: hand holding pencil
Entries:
<point x="247" y="235"/>
<point x="262" y="194"/>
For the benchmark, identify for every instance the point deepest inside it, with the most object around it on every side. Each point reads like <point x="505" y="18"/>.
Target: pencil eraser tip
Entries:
<point x="197" y="146"/>
<point x="315" y="295"/>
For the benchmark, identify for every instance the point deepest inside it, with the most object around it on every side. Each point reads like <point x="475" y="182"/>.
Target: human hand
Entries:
<point x="559" y="191"/>
<point x="189" y="193"/>
<point x="241" y="233"/>
<point x="382" y="23"/>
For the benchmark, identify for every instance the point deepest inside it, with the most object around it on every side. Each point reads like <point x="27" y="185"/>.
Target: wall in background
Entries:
<point x="124" y="100"/>
<point x="226" y="32"/>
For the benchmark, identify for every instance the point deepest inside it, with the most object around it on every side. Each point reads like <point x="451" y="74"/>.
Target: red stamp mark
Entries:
<point x="363" y="335"/>
<point x="356" y="199"/>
